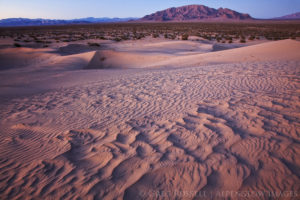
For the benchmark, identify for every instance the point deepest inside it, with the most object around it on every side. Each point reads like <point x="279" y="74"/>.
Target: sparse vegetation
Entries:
<point x="117" y="39"/>
<point x="219" y="32"/>
<point x="17" y="45"/>
<point x="93" y="44"/>
<point x="155" y="35"/>
<point x="251" y="37"/>
<point x="185" y="36"/>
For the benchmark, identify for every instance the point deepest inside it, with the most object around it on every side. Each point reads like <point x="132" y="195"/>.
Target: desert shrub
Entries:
<point x="139" y="36"/>
<point x="242" y="41"/>
<point x="155" y="35"/>
<point x="185" y="36"/>
<point x="117" y="39"/>
<point x="207" y="37"/>
<point x="173" y="37"/>
<point x="125" y="37"/>
<point x="17" y="45"/>
<point x="251" y="37"/>
<point x="228" y="38"/>
<point x="93" y="44"/>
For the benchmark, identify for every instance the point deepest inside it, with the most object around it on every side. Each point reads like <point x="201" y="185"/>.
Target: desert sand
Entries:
<point x="154" y="119"/>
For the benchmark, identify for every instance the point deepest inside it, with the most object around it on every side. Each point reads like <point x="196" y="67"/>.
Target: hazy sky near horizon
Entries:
<point x="70" y="9"/>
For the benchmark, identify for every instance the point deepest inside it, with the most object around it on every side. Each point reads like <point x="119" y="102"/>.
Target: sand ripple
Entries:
<point x="157" y="134"/>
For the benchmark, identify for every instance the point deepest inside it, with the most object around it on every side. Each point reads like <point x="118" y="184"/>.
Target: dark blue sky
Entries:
<point x="68" y="9"/>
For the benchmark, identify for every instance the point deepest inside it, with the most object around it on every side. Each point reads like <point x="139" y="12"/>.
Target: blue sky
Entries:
<point x="69" y="9"/>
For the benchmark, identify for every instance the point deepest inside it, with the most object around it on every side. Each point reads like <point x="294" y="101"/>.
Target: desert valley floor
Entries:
<point x="162" y="120"/>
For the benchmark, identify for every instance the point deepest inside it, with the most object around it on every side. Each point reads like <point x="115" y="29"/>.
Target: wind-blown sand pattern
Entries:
<point x="190" y="132"/>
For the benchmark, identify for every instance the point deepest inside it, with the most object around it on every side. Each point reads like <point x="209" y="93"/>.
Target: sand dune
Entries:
<point x="76" y="61"/>
<point x="120" y="55"/>
<point x="12" y="58"/>
<point x="112" y="59"/>
<point x="192" y="132"/>
<point x="146" y="54"/>
<point x="279" y="50"/>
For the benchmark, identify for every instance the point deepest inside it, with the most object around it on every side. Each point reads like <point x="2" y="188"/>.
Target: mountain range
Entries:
<point x="291" y="16"/>
<point x="40" y="22"/>
<point x="196" y="13"/>
<point x="183" y="13"/>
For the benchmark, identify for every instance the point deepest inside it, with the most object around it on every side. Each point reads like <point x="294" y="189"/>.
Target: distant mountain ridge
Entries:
<point x="180" y="14"/>
<point x="290" y="16"/>
<point x="41" y="22"/>
<point x="196" y="13"/>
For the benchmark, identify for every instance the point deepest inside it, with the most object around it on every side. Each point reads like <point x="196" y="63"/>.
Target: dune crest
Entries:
<point x="277" y="50"/>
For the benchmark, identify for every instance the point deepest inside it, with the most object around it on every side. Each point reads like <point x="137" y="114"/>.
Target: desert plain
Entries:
<point x="149" y="116"/>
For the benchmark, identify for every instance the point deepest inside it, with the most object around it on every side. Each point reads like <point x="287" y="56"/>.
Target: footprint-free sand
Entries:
<point x="178" y="123"/>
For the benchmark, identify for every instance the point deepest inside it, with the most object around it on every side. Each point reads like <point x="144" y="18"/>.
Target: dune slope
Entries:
<point x="278" y="50"/>
<point x="185" y="133"/>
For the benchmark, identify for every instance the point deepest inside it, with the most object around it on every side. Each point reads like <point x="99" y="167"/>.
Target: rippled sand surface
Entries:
<point x="206" y="131"/>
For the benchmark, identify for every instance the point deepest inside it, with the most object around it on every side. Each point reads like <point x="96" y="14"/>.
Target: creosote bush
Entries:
<point x="94" y="44"/>
<point x="117" y="39"/>
<point x="185" y="36"/>
<point x="17" y="45"/>
<point x="155" y="35"/>
<point x="251" y="37"/>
